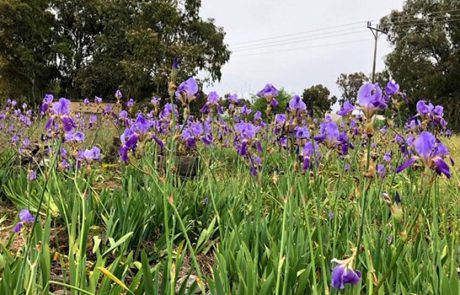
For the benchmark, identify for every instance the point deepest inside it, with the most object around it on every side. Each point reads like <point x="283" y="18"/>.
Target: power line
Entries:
<point x="301" y="33"/>
<point x="300" y="40"/>
<point x="311" y="38"/>
<point x="303" y="47"/>
<point x="294" y="36"/>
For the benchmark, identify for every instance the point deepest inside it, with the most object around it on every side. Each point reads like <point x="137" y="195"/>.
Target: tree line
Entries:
<point x="84" y="48"/>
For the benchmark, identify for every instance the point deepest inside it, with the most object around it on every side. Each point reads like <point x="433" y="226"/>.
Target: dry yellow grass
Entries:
<point x="453" y="144"/>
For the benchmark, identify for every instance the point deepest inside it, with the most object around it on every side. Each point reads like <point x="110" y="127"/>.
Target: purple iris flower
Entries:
<point x="370" y="99"/>
<point x="176" y="63"/>
<point x="61" y="110"/>
<point x="431" y="152"/>
<point x="302" y="132"/>
<point x="342" y="275"/>
<point x="346" y="109"/>
<point x="155" y="101"/>
<point x="246" y="130"/>
<point x="381" y="170"/>
<point x="86" y="102"/>
<point x="129" y="141"/>
<point x="89" y="155"/>
<point x="258" y="116"/>
<point x="329" y="133"/>
<point x="74" y="136"/>
<point x="25" y="217"/>
<point x="245" y="110"/>
<point x="141" y="126"/>
<point x="423" y="108"/>
<point x="196" y="131"/>
<point x="212" y="102"/>
<point x="123" y="115"/>
<point x="15" y="139"/>
<point x="392" y="88"/>
<point x="387" y="157"/>
<point x="168" y="111"/>
<point x="118" y="94"/>
<point x="92" y="120"/>
<point x="332" y="137"/>
<point x="233" y="99"/>
<point x="98" y="99"/>
<point x="130" y="103"/>
<point x="245" y="137"/>
<point x="280" y="119"/>
<point x="310" y="149"/>
<point x="32" y="175"/>
<point x="187" y="90"/>
<point x="108" y="109"/>
<point x="268" y="92"/>
<point x="296" y="104"/>
<point x="62" y="107"/>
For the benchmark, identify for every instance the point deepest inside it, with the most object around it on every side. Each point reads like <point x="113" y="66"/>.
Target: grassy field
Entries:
<point x="338" y="226"/>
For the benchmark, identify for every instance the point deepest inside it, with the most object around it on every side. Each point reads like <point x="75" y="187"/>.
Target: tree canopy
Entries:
<point x="93" y="47"/>
<point x="426" y="56"/>
<point x="318" y="100"/>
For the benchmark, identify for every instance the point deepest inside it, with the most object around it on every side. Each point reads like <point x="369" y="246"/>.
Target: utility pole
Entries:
<point x="377" y="31"/>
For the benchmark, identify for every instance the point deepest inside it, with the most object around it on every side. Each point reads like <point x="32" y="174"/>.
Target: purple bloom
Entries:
<point x="74" y="136"/>
<point x="17" y="227"/>
<point x="187" y="90"/>
<point x="123" y="115"/>
<point x="423" y="108"/>
<point x="62" y="107"/>
<point x="130" y="103"/>
<point x="212" y="101"/>
<point x="118" y="94"/>
<point x="310" y="149"/>
<point x="346" y="109"/>
<point x="155" y="101"/>
<point x="302" y="132"/>
<point x="98" y="99"/>
<point x="246" y="130"/>
<point x="176" y="63"/>
<point x="296" y="104"/>
<point x="329" y="133"/>
<point x="92" y="120"/>
<point x="25" y="217"/>
<point x="370" y="99"/>
<point x="268" y="92"/>
<point x="280" y="119"/>
<point x="343" y="274"/>
<point x="32" y="175"/>
<point x="245" y="137"/>
<point x="90" y="155"/>
<point x="196" y="131"/>
<point x="245" y="110"/>
<point x="431" y="152"/>
<point x="381" y="170"/>
<point x="387" y="157"/>
<point x="86" y="101"/>
<point x="47" y="101"/>
<point x="392" y="88"/>
<point x="233" y="99"/>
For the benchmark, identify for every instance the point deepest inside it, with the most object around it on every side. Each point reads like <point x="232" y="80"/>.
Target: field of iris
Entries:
<point x="160" y="201"/>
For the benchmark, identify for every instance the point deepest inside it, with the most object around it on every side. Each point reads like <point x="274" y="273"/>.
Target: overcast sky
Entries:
<point x="296" y="43"/>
